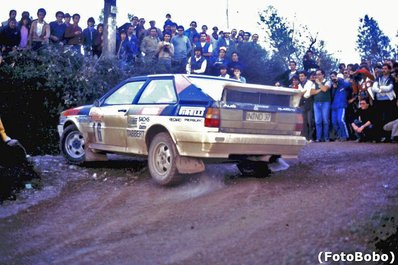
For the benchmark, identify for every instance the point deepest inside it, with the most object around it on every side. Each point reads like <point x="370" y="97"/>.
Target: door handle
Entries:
<point x="122" y="110"/>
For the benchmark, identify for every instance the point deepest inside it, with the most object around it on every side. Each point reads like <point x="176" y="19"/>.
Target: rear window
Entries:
<point x="262" y="98"/>
<point x="212" y="87"/>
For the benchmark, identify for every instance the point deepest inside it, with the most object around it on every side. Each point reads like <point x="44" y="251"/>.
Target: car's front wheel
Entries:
<point x="72" y="145"/>
<point x="162" y="160"/>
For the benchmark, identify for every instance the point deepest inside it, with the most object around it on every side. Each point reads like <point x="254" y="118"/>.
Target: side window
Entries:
<point x="125" y="94"/>
<point x="159" y="91"/>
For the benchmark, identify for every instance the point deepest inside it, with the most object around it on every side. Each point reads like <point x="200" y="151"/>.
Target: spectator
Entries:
<point x="217" y="62"/>
<point x="341" y="91"/>
<point x="133" y="40"/>
<point x="196" y="64"/>
<point x="363" y="125"/>
<point x="57" y="29"/>
<point x="237" y="75"/>
<point x="74" y="35"/>
<point x="246" y="37"/>
<point x="306" y="104"/>
<point x="67" y="19"/>
<point x="224" y="72"/>
<point x="190" y="33"/>
<point x="204" y="30"/>
<point x="214" y="38"/>
<point x="10" y="37"/>
<point x="99" y="40"/>
<point x="133" y="22"/>
<point x="207" y="48"/>
<point x="125" y="52"/>
<point x="234" y="35"/>
<point x="295" y="82"/>
<point x="182" y="47"/>
<point x="39" y="33"/>
<point x="255" y="38"/>
<point x="393" y="127"/>
<point x="322" y="101"/>
<point x="285" y="79"/>
<point x="165" y="52"/>
<point x="234" y="63"/>
<point x="89" y="35"/>
<point x="309" y="63"/>
<point x="173" y="28"/>
<point x="363" y="82"/>
<point x="149" y="46"/>
<point x="152" y="23"/>
<point x="11" y="15"/>
<point x="385" y="103"/>
<point x="24" y="30"/>
<point x="225" y="41"/>
<point x="140" y="30"/>
<point x="168" y="20"/>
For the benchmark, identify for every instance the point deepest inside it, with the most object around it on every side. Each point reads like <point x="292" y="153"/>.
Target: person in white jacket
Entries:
<point x="385" y="103"/>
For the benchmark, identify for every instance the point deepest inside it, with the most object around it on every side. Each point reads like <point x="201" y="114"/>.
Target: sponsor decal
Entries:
<point x="84" y="119"/>
<point x="142" y="127"/>
<point x="135" y="133"/>
<point x="192" y="120"/>
<point x="175" y="119"/>
<point x="132" y="122"/>
<point x="287" y="109"/>
<point x="192" y="111"/>
<point x="143" y="119"/>
<point x="97" y="127"/>
<point x="233" y="106"/>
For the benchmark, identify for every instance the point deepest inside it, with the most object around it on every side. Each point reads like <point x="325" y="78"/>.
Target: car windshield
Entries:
<point x="211" y="86"/>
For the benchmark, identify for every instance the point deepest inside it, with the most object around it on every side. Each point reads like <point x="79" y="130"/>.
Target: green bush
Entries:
<point x="36" y="86"/>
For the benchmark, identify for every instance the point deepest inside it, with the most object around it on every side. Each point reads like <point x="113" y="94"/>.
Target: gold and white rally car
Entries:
<point x="179" y="121"/>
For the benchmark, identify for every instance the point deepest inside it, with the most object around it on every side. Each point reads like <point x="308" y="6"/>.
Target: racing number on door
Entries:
<point x="97" y="128"/>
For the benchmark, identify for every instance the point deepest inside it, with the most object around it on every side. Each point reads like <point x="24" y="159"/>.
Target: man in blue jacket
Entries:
<point x="341" y="90"/>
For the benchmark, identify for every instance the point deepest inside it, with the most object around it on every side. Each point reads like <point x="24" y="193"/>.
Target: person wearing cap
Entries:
<point x="89" y="35"/>
<point x="57" y="29"/>
<point x="182" y="48"/>
<point x="197" y="64"/>
<point x="217" y="61"/>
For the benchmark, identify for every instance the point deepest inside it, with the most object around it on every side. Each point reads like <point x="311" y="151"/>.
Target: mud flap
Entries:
<point x="190" y="165"/>
<point x="91" y="156"/>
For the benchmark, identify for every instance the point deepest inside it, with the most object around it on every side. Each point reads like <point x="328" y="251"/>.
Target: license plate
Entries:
<point x="258" y="116"/>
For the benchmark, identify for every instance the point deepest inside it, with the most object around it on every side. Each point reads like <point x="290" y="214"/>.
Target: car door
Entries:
<point x="157" y="95"/>
<point x="111" y="117"/>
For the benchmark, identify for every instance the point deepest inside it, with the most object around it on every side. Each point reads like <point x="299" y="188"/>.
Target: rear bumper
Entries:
<point x="222" y="145"/>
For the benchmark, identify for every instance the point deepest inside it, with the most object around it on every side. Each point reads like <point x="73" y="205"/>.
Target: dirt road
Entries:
<point x="336" y="197"/>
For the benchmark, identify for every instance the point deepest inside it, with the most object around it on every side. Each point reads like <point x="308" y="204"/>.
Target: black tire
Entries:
<point x="162" y="160"/>
<point x="72" y="145"/>
<point x="254" y="169"/>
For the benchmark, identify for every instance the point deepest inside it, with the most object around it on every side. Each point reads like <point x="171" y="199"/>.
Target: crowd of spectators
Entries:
<point x="173" y="49"/>
<point x="355" y="102"/>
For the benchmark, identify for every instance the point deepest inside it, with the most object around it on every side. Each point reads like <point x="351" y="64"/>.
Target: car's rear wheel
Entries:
<point x="162" y="160"/>
<point x="256" y="169"/>
<point x="72" y="145"/>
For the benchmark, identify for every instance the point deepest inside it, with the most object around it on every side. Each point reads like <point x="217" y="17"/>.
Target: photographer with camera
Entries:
<point x="165" y="52"/>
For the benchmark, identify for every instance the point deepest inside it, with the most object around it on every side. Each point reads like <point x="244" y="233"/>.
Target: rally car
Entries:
<point x="179" y="121"/>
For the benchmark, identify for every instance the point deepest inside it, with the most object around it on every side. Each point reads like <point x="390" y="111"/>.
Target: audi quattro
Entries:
<point x="179" y="121"/>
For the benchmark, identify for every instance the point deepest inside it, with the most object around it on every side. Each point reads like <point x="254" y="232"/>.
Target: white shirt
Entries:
<point x="307" y="88"/>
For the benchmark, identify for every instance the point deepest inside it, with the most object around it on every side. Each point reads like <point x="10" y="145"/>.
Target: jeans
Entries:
<point x="338" y="121"/>
<point x="321" y="113"/>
